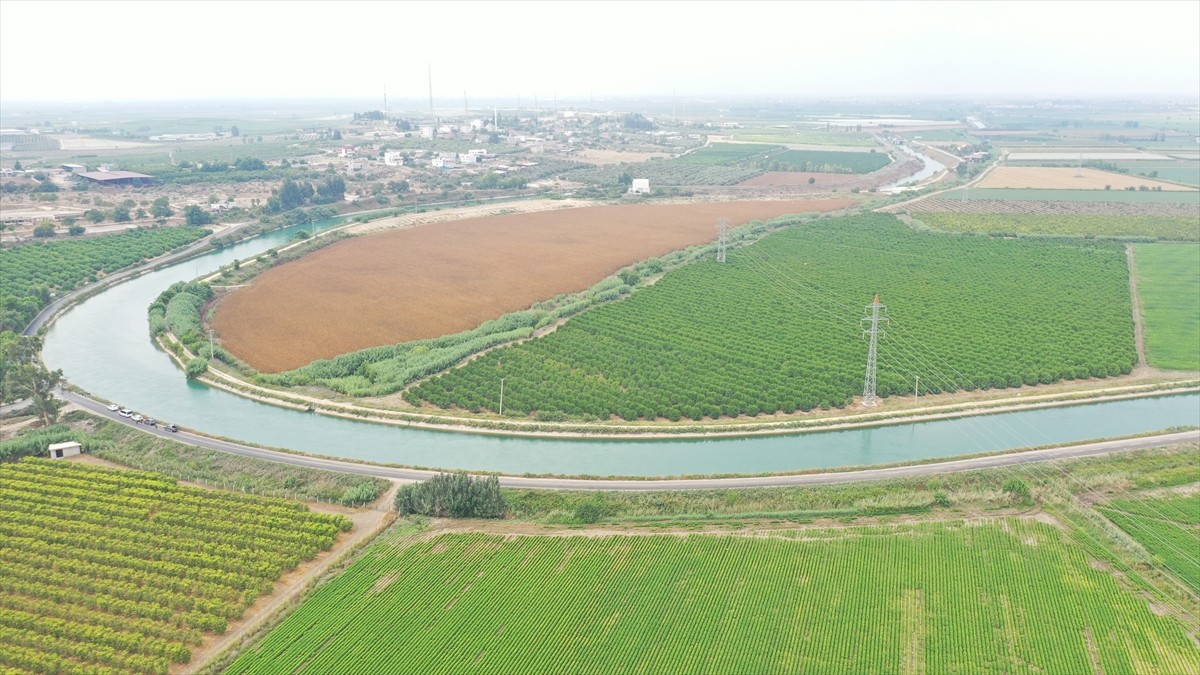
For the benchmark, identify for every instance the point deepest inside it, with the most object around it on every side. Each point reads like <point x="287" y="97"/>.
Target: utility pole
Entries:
<point x="966" y="192"/>
<point x="722" y="238"/>
<point x="430" y="67"/>
<point x="876" y="310"/>
<point x="502" y="397"/>
<point x="917" y="388"/>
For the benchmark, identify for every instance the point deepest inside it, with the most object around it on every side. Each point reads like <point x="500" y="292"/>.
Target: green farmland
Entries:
<point x="125" y="571"/>
<point x="829" y="161"/>
<point x="1174" y="228"/>
<point x="30" y="273"/>
<point x="724" y="154"/>
<point x="777" y="328"/>
<point x="1006" y="595"/>
<point x="1169" y="286"/>
<point x="1167" y="526"/>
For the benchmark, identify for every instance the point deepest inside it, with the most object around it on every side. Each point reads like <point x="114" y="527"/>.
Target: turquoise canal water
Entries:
<point x="103" y="345"/>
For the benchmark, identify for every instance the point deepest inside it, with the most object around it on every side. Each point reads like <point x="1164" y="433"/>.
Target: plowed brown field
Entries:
<point x="1059" y="178"/>
<point x="450" y="277"/>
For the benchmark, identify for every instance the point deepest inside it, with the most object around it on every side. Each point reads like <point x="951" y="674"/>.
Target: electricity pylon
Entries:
<point x="876" y="313"/>
<point x="722" y="238"/>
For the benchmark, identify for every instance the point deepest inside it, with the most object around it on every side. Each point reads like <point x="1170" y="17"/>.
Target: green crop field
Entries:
<point x="829" y="161"/>
<point x="1168" y="527"/>
<point x="30" y="273"/>
<point x="725" y="154"/>
<point x="1175" y="228"/>
<point x="807" y="136"/>
<point x="716" y="164"/>
<point x="1180" y="171"/>
<point x="103" y="569"/>
<point x="1008" y="595"/>
<point x="778" y="327"/>
<point x="1169" y="286"/>
<point x="1130" y="196"/>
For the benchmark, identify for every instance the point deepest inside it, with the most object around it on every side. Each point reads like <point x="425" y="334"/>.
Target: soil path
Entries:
<point x="1139" y="331"/>
<point x="368" y="522"/>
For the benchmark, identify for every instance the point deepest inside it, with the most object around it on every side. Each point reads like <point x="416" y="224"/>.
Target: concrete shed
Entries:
<point x="68" y="449"/>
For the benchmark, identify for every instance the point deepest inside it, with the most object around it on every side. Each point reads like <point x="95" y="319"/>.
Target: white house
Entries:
<point x="442" y="163"/>
<point x="639" y="186"/>
<point x="354" y="166"/>
<point x="393" y="158"/>
<point x="469" y="158"/>
<point x="68" y="449"/>
<point x="426" y="132"/>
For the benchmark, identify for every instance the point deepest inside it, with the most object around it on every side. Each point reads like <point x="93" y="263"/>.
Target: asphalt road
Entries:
<point x="1011" y="459"/>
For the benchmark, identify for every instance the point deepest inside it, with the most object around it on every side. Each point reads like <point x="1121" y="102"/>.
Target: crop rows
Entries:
<point x="1169" y="528"/>
<point x="1008" y="596"/>
<point x="717" y="164"/>
<point x="30" y="273"/>
<point x="777" y="328"/>
<point x="123" y="570"/>
<point x="829" y="161"/>
<point x="1175" y="228"/>
<point x="1041" y="206"/>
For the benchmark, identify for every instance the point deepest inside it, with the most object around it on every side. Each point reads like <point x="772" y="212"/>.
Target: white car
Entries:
<point x="138" y="418"/>
<point x="114" y="407"/>
<point x="125" y="412"/>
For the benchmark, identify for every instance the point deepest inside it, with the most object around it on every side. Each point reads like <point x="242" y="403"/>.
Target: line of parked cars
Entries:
<point x="149" y="421"/>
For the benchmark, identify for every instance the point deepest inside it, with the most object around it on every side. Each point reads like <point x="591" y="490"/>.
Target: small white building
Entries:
<point x="393" y="158"/>
<point x="639" y="186"/>
<point x="469" y="158"/>
<point x="354" y="166"/>
<point x="442" y="163"/>
<point x="427" y="132"/>
<point x="68" y="449"/>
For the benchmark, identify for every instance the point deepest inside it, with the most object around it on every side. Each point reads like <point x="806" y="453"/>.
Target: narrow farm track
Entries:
<point x="394" y="473"/>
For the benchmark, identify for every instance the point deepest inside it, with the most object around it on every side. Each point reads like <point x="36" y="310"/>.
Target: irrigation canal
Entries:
<point x="103" y="346"/>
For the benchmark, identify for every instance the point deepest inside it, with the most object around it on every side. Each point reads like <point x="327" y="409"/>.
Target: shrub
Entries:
<point x="588" y="513"/>
<point x="196" y="367"/>
<point x="454" y="495"/>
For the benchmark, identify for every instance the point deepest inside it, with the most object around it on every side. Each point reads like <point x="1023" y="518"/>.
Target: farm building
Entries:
<point x="73" y="168"/>
<point x="68" y="449"/>
<point x="116" y="177"/>
<point x="393" y="158"/>
<point x="639" y="186"/>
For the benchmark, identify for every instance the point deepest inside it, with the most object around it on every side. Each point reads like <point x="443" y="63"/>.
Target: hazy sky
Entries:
<point x="179" y="50"/>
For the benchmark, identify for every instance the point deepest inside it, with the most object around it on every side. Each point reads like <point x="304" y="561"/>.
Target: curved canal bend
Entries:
<point x="103" y="346"/>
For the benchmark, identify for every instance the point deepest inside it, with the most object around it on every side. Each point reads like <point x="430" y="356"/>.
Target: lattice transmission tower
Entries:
<point x="875" y="314"/>
<point x="722" y="238"/>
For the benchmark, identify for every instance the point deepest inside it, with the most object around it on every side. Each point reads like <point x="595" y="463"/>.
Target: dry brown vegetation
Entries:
<point x="1058" y="178"/>
<point x="439" y="279"/>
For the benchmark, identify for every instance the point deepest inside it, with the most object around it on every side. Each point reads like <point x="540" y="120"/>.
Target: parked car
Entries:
<point x="125" y="412"/>
<point x="150" y="422"/>
<point x="171" y="427"/>
<point x="138" y="418"/>
<point x="114" y="407"/>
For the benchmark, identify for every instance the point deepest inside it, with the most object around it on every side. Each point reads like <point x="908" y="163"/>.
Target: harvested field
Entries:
<point x="1062" y="178"/>
<point x="436" y="280"/>
<point x="1053" y="207"/>
<point x="617" y="156"/>
<point x="777" y="178"/>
